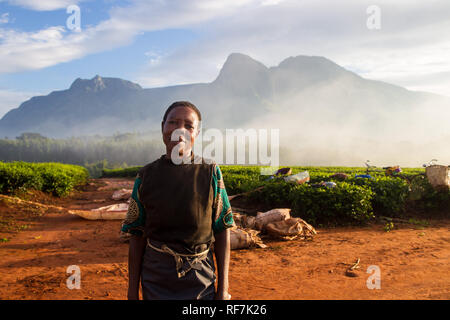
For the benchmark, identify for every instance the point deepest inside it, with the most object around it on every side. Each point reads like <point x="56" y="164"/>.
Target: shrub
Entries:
<point x="426" y="197"/>
<point x="344" y="203"/>
<point x="18" y="176"/>
<point x="276" y="193"/>
<point x="390" y="194"/>
<point x="55" y="178"/>
<point x="238" y="183"/>
<point x="130" y="172"/>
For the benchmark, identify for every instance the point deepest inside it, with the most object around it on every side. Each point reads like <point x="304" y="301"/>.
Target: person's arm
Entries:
<point x="135" y="256"/>
<point x="134" y="225"/>
<point x="223" y="220"/>
<point x="222" y="253"/>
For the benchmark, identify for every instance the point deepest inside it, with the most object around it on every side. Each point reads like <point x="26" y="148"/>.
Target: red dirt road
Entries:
<point x="413" y="259"/>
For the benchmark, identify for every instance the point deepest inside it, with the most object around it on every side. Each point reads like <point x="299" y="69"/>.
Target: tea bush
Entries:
<point x="58" y="179"/>
<point x="130" y="172"/>
<point x="390" y="194"/>
<point x="425" y="197"/>
<point x="342" y="204"/>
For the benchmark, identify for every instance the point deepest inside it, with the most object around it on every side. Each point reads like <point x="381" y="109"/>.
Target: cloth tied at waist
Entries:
<point x="192" y="259"/>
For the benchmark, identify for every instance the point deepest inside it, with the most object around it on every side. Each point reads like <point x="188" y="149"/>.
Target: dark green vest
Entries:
<point x="178" y="202"/>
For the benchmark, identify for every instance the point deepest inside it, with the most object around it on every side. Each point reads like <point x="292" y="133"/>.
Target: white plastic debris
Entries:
<point x="122" y="194"/>
<point x="274" y="215"/>
<point x="112" y="212"/>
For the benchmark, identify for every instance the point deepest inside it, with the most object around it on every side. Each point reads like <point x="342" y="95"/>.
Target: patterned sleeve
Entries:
<point x="223" y="216"/>
<point x="135" y="220"/>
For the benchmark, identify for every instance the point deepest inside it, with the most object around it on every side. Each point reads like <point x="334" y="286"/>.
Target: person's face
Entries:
<point x="186" y="120"/>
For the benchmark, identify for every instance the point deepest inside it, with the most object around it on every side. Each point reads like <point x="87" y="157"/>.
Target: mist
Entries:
<point x="325" y="114"/>
<point x="342" y="135"/>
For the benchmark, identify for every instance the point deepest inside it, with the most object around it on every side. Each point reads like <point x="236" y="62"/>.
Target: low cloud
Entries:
<point x="402" y="49"/>
<point x="42" y="5"/>
<point x="21" y="51"/>
<point x="411" y="41"/>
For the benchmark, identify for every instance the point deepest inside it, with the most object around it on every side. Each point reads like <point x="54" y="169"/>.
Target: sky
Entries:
<point x="45" y="45"/>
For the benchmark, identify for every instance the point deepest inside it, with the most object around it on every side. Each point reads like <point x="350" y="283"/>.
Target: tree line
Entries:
<point x="93" y="152"/>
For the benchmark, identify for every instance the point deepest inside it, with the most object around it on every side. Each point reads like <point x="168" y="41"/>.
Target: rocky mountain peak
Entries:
<point x="98" y="83"/>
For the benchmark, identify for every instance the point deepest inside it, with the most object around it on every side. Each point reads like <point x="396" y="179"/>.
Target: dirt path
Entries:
<point x="413" y="260"/>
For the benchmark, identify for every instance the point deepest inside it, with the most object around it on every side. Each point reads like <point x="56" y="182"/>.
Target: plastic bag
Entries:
<point x="100" y="215"/>
<point x="263" y="218"/>
<point x="290" y="228"/>
<point x="122" y="194"/>
<point x="299" y="178"/>
<point x="113" y="207"/>
<point x="112" y="212"/>
<point x="244" y="221"/>
<point x="285" y="228"/>
<point x="244" y="239"/>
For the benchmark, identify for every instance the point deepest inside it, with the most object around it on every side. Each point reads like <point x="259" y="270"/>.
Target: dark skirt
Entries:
<point x="160" y="281"/>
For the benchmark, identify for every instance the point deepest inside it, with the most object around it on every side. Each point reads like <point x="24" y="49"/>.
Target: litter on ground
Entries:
<point x="275" y="223"/>
<point x="299" y="178"/>
<point x="122" y="194"/>
<point x="112" y="212"/>
<point x="245" y="238"/>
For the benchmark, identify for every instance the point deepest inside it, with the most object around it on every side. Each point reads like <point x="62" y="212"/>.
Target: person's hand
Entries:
<point x="222" y="295"/>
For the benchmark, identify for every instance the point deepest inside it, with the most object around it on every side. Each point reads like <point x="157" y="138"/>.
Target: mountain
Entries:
<point x="306" y="93"/>
<point x="64" y="112"/>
